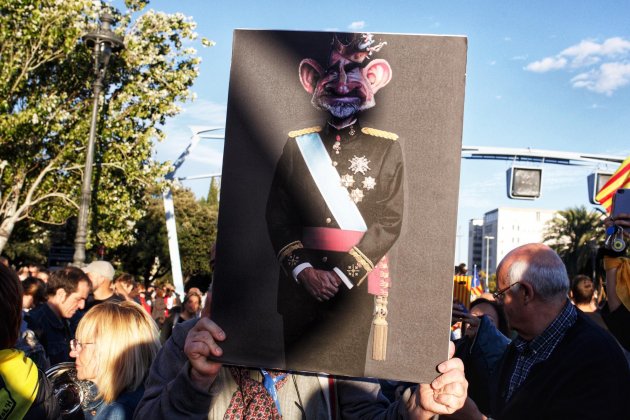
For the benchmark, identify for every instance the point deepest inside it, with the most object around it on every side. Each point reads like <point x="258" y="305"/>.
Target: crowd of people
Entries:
<point x="541" y="346"/>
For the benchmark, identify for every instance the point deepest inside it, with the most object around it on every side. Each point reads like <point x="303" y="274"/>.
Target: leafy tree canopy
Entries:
<point x="196" y="222"/>
<point x="45" y="104"/>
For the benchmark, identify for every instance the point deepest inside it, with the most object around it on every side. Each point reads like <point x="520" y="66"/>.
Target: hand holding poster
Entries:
<point x="339" y="201"/>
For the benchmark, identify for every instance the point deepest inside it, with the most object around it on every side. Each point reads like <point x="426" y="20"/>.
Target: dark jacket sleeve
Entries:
<point x="45" y="405"/>
<point x="361" y="398"/>
<point x="169" y="392"/>
<point x="618" y="323"/>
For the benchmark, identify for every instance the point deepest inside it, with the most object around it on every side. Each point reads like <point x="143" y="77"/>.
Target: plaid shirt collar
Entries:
<point x="540" y="348"/>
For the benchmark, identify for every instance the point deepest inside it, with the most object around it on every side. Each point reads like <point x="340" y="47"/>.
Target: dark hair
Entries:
<point x="503" y="324"/>
<point x="10" y="307"/>
<point x="125" y="278"/>
<point x="68" y="279"/>
<point x="191" y="294"/>
<point x="35" y="287"/>
<point x="582" y="289"/>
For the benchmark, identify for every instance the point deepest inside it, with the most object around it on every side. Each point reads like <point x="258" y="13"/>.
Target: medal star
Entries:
<point x="369" y="183"/>
<point x="293" y="260"/>
<point x="356" y="195"/>
<point x="347" y="180"/>
<point x="359" y="164"/>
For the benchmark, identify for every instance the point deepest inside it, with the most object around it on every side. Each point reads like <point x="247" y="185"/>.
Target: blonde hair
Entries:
<point x="126" y="341"/>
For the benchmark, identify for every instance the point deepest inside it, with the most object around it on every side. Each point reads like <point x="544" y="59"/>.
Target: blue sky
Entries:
<point x="549" y="75"/>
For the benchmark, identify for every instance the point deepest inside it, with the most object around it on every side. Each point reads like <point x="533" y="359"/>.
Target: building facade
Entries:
<point x="506" y="228"/>
<point x="475" y="243"/>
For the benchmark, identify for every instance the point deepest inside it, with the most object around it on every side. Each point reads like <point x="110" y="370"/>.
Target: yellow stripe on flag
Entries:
<point x="620" y="179"/>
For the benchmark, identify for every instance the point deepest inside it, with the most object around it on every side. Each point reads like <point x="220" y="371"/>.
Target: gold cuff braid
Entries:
<point x="362" y="259"/>
<point x="288" y="249"/>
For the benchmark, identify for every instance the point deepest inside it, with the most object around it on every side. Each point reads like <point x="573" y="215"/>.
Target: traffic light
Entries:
<point x="524" y="183"/>
<point x="596" y="181"/>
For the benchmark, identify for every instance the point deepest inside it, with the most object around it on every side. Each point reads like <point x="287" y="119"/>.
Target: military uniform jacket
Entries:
<point x="370" y="165"/>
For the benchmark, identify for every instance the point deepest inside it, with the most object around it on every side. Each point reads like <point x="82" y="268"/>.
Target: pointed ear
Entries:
<point x="310" y="73"/>
<point x="379" y="73"/>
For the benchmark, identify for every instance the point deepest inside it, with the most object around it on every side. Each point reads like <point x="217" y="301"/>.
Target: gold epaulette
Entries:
<point x="309" y="130"/>
<point x="379" y="133"/>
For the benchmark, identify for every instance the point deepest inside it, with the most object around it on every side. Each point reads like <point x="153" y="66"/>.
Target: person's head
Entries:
<point x="34" y="292"/>
<point x="43" y="275"/>
<point x="23" y="272"/>
<point x="67" y="290"/>
<point x="582" y="290"/>
<point x="101" y="273"/>
<point x="4" y="261"/>
<point x="488" y="307"/>
<point x="192" y="303"/>
<point x="34" y="269"/>
<point x="461" y="269"/>
<point x="10" y="307"/>
<point x="532" y="282"/>
<point x="114" y="347"/>
<point x="124" y="284"/>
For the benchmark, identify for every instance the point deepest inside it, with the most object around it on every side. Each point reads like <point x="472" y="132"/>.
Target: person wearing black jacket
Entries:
<point x="561" y="365"/>
<point x="25" y="392"/>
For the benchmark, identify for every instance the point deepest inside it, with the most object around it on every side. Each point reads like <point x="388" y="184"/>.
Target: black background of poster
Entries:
<point x="423" y="104"/>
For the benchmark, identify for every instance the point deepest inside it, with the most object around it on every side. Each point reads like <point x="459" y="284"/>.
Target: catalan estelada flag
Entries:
<point x="475" y="287"/>
<point x="620" y="179"/>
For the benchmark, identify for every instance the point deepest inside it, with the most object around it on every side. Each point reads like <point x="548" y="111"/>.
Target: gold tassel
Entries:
<point x="379" y="341"/>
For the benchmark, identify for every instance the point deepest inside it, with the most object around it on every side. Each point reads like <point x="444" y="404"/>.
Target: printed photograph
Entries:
<point x="339" y="202"/>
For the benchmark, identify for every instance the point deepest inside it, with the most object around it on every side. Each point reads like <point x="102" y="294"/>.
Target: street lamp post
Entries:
<point x="487" y="238"/>
<point x="103" y="41"/>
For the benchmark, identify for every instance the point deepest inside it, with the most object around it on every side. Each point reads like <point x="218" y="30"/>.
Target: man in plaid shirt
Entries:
<point x="561" y="365"/>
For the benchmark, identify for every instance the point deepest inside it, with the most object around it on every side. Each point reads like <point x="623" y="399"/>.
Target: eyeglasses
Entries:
<point x="498" y="295"/>
<point x="76" y="345"/>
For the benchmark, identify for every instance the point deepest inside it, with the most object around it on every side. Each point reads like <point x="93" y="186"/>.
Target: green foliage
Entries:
<point x="149" y="257"/>
<point x="571" y="234"/>
<point x="45" y="104"/>
<point x="213" y="193"/>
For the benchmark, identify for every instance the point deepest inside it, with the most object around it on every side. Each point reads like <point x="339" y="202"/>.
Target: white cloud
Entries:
<point x="498" y="97"/>
<point x="356" y="26"/>
<point x="605" y="66"/>
<point x="507" y="39"/>
<point x="546" y="64"/>
<point x="520" y="57"/>
<point x="493" y="62"/>
<point x="608" y="78"/>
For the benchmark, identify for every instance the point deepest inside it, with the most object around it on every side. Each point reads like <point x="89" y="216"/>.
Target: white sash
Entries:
<point x="327" y="179"/>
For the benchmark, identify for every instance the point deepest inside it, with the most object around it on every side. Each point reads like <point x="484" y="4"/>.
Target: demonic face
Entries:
<point x="345" y="87"/>
<point x="70" y="303"/>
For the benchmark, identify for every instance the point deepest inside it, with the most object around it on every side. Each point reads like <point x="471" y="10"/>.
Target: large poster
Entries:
<point x="339" y="202"/>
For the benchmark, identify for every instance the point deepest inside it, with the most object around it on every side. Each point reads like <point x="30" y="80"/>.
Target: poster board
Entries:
<point x="416" y="120"/>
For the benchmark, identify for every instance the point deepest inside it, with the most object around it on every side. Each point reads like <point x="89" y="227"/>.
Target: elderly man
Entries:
<point x="561" y="365"/>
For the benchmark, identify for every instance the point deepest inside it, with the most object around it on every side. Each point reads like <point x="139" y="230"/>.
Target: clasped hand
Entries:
<point x="321" y="284"/>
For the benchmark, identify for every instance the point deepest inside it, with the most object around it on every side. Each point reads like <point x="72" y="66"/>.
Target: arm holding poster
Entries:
<point x="183" y="382"/>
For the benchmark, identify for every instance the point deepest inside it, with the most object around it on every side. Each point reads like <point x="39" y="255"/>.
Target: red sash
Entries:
<point x="338" y="240"/>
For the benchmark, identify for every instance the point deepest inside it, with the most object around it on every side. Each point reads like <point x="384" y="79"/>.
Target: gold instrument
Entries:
<point x="72" y="393"/>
